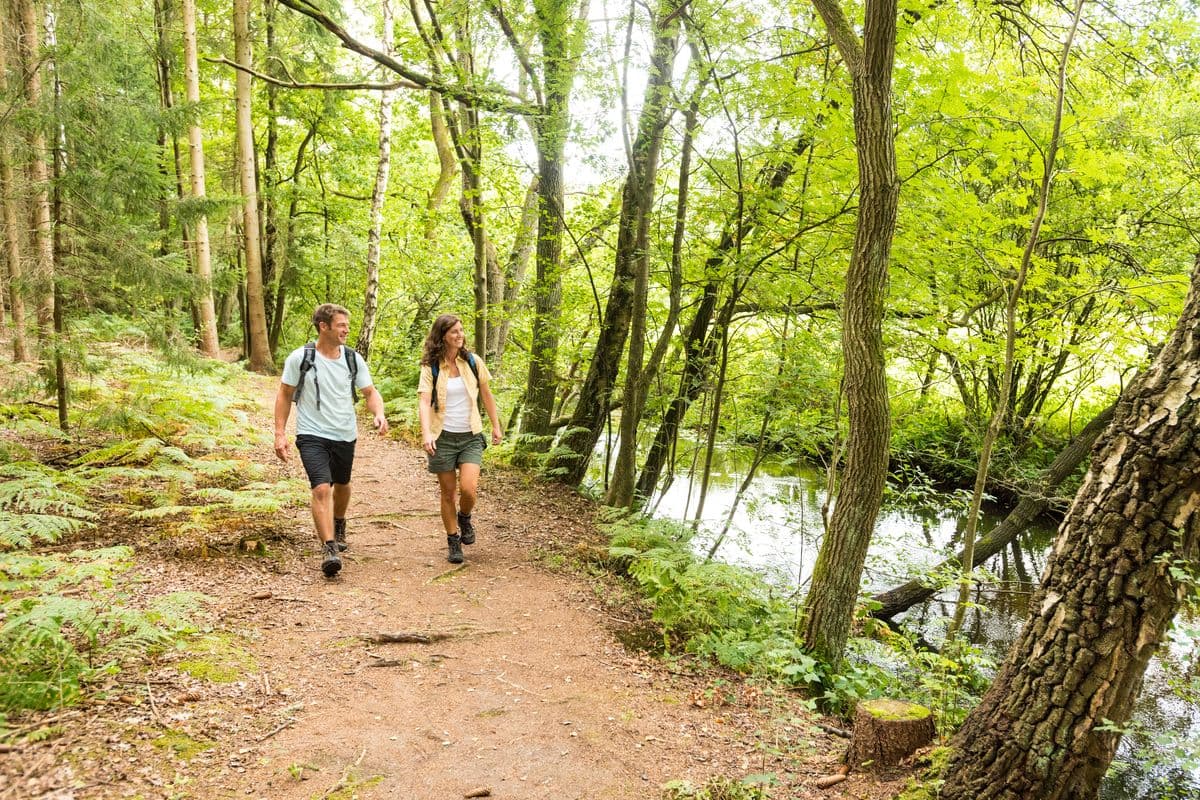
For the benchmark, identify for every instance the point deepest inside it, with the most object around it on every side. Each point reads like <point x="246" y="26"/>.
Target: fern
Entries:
<point x="53" y="644"/>
<point x="39" y="503"/>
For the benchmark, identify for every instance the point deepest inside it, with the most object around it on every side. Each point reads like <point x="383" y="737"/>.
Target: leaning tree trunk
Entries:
<point x="829" y="606"/>
<point x="258" y="348"/>
<point x="1031" y="506"/>
<point x="1107" y="600"/>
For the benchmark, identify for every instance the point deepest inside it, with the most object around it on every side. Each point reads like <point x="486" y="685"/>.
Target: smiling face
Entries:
<point x="336" y="330"/>
<point x="455" y="338"/>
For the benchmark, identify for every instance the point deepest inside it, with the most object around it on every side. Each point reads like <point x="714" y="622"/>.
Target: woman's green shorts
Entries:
<point x="453" y="449"/>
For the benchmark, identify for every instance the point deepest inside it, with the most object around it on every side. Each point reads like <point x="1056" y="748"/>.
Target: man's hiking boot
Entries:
<point x="466" y="527"/>
<point x="339" y="534"/>
<point x="331" y="564"/>
<point x="456" y="555"/>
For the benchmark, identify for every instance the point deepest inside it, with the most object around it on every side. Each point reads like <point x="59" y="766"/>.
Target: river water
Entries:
<point x="776" y="529"/>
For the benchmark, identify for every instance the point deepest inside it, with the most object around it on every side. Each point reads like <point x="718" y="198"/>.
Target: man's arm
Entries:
<point x="375" y="406"/>
<point x="283" y="409"/>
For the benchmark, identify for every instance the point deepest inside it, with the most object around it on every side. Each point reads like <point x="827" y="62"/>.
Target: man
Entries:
<point x="322" y="381"/>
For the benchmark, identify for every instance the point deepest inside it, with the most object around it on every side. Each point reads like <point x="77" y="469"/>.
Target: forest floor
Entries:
<point x="524" y="689"/>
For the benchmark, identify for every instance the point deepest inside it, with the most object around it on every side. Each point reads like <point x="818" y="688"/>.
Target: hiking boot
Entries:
<point x="467" y="528"/>
<point x="456" y="555"/>
<point x="339" y="534"/>
<point x="332" y="563"/>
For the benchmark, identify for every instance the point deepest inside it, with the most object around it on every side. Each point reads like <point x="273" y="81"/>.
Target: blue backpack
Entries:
<point x="306" y="365"/>
<point x="435" y="368"/>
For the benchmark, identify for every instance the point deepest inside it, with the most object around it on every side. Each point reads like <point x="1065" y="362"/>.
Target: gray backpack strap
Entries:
<point x="352" y="362"/>
<point x="434" y="368"/>
<point x="306" y="365"/>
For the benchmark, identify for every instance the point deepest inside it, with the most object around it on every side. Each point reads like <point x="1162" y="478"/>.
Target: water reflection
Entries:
<point x="776" y="529"/>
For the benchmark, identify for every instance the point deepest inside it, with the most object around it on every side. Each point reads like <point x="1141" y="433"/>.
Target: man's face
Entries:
<point x="339" y="327"/>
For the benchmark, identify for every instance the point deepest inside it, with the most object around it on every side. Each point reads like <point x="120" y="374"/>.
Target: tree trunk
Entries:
<point x="560" y="34"/>
<point x="42" y="276"/>
<point x="644" y="165"/>
<point x="271" y="270"/>
<point x="366" y="333"/>
<point x="595" y="398"/>
<point x="286" y="272"/>
<point x="829" y="605"/>
<point x="513" y="278"/>
<point x="258" y="346"/>
<point x="1107" y="600"/>
<point x="12" y="227"/>
<point x="1031" y="506"/>
<point x="209" y="345"/>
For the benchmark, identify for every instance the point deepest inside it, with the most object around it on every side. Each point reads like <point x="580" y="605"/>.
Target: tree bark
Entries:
<point x="366" y="332"/>
<point x="829" y="605"/>
<point x="42" y="275"/>
<point x="886" y="732"/>
<point x="1030" y="507"/>
<point x="203" y="298"/>
<point x="595" y="398"/>
<point x="258" y="349"/>
<point x="12" y="227"/>
<point x="643" y="170"/>
<point x="1107" y="600"/>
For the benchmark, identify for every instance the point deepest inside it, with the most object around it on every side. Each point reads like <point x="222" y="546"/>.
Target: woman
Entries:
<point x="453" y="380"/>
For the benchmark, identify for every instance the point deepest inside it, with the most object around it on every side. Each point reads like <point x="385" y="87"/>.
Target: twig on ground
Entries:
<point x="282" y="726"/>
<point x="345" y="780"/>
<point x="833" y="730"/>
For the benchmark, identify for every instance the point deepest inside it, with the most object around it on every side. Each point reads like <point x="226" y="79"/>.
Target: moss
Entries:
<point x="181" y="744"/>
<point x="218" y="659"/>
<point x="351" y="787"/>
<point x="895" y="709"/>
<point x="927" y="784"/>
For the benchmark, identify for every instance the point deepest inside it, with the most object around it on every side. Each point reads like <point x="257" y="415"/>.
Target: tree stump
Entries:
<point x="886" y="732"/>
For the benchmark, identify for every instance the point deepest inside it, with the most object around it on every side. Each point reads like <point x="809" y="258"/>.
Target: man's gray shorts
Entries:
<point x="454" y="449"/>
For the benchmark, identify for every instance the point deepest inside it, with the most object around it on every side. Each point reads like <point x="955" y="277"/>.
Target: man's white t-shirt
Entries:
<point x="336" y="418"/>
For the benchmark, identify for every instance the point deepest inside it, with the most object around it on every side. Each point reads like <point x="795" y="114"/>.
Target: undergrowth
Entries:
<point x="155" y="455"/>
<point x="736" y="618"/>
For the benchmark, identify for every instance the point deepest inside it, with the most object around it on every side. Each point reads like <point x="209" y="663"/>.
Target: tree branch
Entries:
<point x="491" y="102"/>
<point x="293" y="84"/>
<point x="840" y="32"/>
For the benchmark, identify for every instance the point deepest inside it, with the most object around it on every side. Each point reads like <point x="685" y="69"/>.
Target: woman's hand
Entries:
<point x="497" y="434"/>
<point x="429" y="442"/>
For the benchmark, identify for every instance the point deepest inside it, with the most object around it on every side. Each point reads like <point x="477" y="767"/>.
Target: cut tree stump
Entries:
<point x="886" y="732"/>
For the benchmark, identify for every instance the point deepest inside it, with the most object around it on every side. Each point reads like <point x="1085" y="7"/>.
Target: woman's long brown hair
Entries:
<point x="435" y="342"/>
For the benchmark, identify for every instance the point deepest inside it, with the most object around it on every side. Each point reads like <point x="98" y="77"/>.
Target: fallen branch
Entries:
<point x="345" y="781"/>
<point x="480" y="792"/>
<point x="289" y="723"/>
<point x="388" y="662"/>
<point x="406" y="638"/>
<point x="833" y="730"/>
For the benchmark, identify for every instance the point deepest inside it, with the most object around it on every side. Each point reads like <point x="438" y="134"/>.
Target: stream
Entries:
<point x="776" y="530"/>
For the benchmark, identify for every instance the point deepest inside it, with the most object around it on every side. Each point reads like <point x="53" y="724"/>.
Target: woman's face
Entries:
<point x="455" y="336"/>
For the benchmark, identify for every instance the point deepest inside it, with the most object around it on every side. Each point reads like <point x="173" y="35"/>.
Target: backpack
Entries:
<point x="306" y="364"/>
<point x="435" y="368"/>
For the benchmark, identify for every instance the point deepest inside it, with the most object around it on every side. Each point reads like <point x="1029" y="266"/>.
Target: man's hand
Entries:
<point x="381" y="424"/>
<point x="282" y="447"/>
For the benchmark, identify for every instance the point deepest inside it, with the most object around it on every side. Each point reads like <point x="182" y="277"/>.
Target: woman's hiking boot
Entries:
<point x="466" y="527"/>
<point x="331" y="564"/>
<point x="456" y="554"/>
<point x="339" y="533"/>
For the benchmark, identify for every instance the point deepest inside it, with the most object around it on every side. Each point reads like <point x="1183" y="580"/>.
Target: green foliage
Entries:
<point x="752" y="787"/>
<point x="40" y="503"/>
<point x="67" y="625"/>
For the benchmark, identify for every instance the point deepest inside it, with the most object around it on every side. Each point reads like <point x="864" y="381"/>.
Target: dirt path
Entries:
<point x="528" y="694"/>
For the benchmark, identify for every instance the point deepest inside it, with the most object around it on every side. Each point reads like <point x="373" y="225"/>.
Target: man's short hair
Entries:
<point x="325" y="313"/>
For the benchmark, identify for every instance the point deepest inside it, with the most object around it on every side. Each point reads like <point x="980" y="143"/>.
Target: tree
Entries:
<point x="201" y="253"/>
<point x="1116" y="578"/>
<point x="378" y="196"/>
<point x="42" y="277"/>
<point x="258" y="349"/>
<point x="830" y="601"/>
<point x="12" y="225"/>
